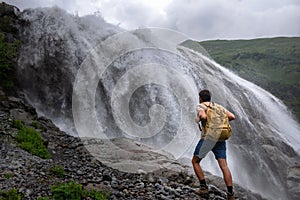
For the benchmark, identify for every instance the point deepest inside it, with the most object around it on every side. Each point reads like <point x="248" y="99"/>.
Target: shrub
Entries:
<point x="43" y="198"/>
<point x="31" y="141"/>
<point x="8" y="175"/>
<point x="10" y="195"/>
<point x="97" y="195"/>
<point x="17" y="124"/>
<point x="57" y="171"/>
<point x="70" y="190"/>
<point x="74" y="191"/>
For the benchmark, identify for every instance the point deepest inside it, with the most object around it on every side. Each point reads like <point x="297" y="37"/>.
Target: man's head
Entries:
<point x="204" y="95"/>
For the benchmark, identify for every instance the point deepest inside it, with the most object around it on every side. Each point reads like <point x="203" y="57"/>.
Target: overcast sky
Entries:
<point x="198" y="19"/>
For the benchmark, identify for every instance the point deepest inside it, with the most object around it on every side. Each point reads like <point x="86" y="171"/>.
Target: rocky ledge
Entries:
<point x="32" y="177"/>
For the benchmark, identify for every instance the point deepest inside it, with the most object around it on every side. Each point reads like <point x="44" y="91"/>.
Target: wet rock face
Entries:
<point x="293" y="181"/>
<point x="32" y="176"/>
<point x="9" y="20"/>
<point x="131" y="156"/>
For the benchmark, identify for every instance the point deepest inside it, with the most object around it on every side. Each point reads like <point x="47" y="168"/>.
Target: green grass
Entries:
<point x="43" y="198"/>
<point x="64" y="191"/>
<point x="70" y="190"/>
<point x="97" y="195"/>
<point x="271" y="63"/>
<point x="18" y="124"/>
<point x="32" y="141"/>
<point x="10" y="195"/>
<point x="58" y="171"/>
<point x="74" y="191"/>
<point x="8" y="175"/>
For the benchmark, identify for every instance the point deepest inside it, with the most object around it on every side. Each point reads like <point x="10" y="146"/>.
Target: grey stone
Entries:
<point x="140" y="185"/>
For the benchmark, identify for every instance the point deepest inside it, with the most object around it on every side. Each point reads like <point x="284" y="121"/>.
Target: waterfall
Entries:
<point x="55" y="42"/>
<point x="266" y="137"/>
<point x="148" y="92"/>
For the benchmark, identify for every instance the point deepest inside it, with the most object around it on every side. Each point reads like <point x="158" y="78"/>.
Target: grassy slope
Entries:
<point x="272" y="63"/>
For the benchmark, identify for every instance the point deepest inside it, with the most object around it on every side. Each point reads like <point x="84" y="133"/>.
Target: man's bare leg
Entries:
<point x="227" y="178"/>
<point x="197" y="168"/>
<point x="226" y="172"/>
<point x="203" y="191"/>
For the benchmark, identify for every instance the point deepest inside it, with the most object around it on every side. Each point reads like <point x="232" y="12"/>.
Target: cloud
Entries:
<point x="72" y="6"/>
<point x="232" y="19"/>
<point x="130" y="14"/>
<point x="199" y="19"/>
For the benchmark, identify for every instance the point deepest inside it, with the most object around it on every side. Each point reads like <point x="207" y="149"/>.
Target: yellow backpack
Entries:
<point x="217" y="125"/>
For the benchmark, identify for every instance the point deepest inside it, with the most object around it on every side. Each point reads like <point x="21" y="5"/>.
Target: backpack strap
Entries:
<point x="204" y="107"/>
<point x="207" y="104"/>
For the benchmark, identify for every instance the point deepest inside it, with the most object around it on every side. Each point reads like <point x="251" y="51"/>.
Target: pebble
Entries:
<point x="140" y="185"/>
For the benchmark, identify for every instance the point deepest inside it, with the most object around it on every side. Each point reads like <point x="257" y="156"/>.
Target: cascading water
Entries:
<point x="56" y="43"/>
<point x="264" y="148"/>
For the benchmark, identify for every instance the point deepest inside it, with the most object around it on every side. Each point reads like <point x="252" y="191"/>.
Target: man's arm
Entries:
<point x="202" y="114"/>
<point x="230" y="115"/>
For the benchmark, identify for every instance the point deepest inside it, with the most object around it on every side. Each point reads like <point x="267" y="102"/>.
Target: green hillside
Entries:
<point x="272" y="63"/>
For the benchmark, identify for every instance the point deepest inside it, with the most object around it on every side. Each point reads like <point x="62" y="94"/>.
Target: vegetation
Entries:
<point x="8" y="175"/>
<point x="30" y="140"/>
<point x="37" y="125"/>
<point x="97" y="195"/>
<point x="43" y="198"/>
<point x="74" y="191"/>
<point x="10" y="195"/>
<point x="272" y="63"/>
<point x="70" y="190"/>
<point x="17" y="124"/>
<point x="58" y="171"/>
<point x="8" y="54"/>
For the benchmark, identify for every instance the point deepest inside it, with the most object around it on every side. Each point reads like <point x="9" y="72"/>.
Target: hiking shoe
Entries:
<point x="203" y="191"/>
<point x="230" y="196"/>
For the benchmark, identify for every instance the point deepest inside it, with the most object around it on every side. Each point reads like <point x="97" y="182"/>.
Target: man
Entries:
<point x="205" y="145"/>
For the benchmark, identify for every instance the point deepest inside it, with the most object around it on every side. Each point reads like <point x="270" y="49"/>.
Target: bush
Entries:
<point x="43" y="198"/>
<point x="57" y="171"/>
<point x="8" y="175"/>
<point x="17" y="124"/>
<point x="70" y="190"/>
<point x="10" y="195"/>
<point x="97" y="195"/>
<point x="31" y="141"/>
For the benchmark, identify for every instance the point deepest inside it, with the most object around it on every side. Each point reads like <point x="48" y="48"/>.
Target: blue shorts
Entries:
<point x="205" y="146"/>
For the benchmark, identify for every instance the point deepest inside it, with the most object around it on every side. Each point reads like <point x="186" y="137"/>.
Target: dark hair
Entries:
<point x="205" y="95"/>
